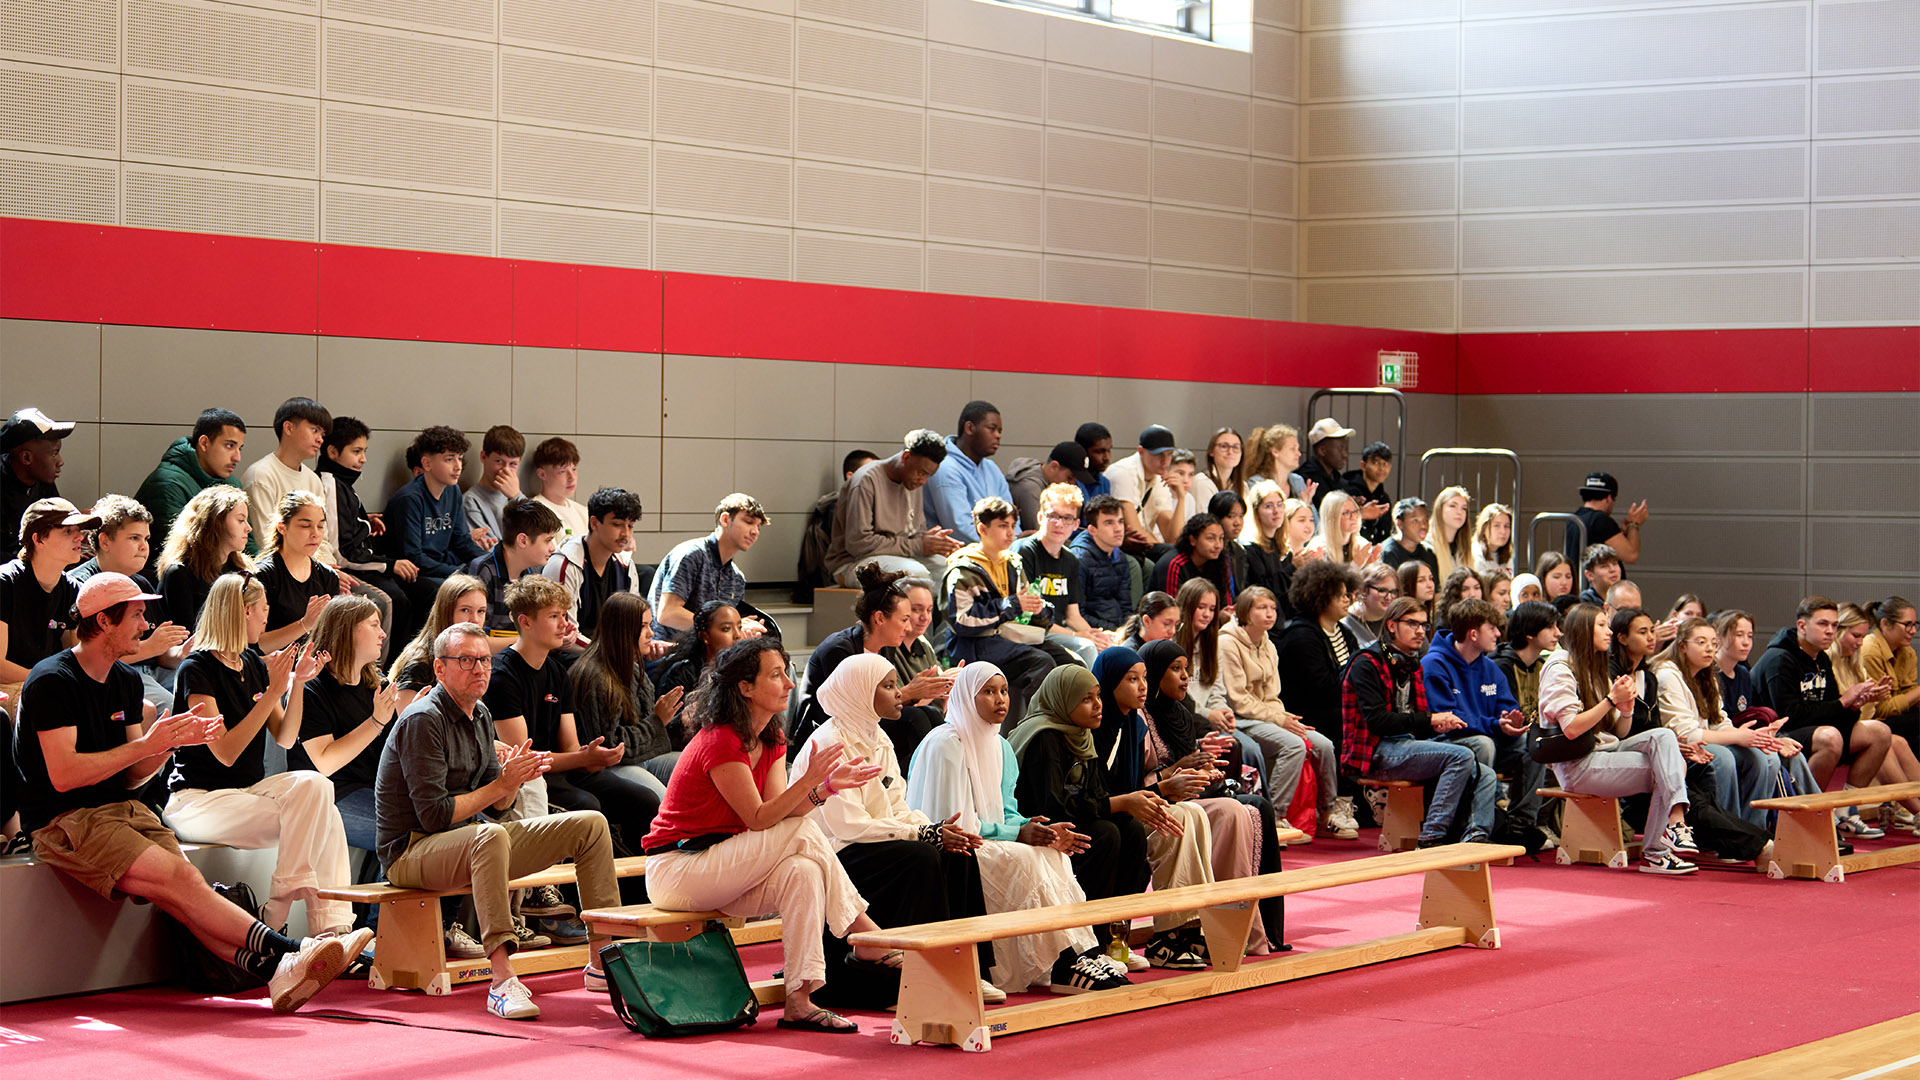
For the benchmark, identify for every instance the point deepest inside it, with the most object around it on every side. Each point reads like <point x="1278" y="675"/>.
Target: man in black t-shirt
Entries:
<point x="1598" y="493"/>
<point x="35" y="596"/>
<point x="1368" y="486"/>
<point x="1055" y="570"/>
<point x="82" y="755"/>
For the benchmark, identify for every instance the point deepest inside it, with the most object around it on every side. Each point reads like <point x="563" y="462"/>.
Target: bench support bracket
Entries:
<point x="1461" y="897"/>
<point x="940" y="999"/>
<point x="1226" y="929"/>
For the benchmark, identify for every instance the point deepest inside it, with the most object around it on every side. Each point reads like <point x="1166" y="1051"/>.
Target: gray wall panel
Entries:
<point x="1840" y="546"/>
<point x="1856" y="485"/>
<point x="1649" y="423"/>
<point x="1868" y="423"/>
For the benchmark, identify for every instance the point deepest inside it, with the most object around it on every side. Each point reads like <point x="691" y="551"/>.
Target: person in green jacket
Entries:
<point x="191" y="465"/>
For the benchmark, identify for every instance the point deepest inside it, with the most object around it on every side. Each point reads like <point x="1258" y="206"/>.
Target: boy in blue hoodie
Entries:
<point x="428" y="524"/>
<point x="1462" y="679"/>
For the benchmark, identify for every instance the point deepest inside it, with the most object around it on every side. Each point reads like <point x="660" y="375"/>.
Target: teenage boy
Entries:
<point x="1055" y="570"/>
<point x="1110" y="582"/>
<point x="1028" y="477"/>
<point x="301" y="426"/>
<point x="556" y="464"/>
<point x="351" y="530"/>
<point x="1462" y="678"/>
<point x="702" y="569"/>
<point x="1533" y="631"/>
<point x="428" y="523"/>
<point x="120" y="547"/>
<point x="36" y="596"/>
<point x="1598" y="493"/>
<point x="966" y="476"/>
<point x="1600" y="565"/>
<point x="1410" y="528"/>
<point x="499" y="482"/>
<point x="880" y="517"/>
<point x="985" y="589"/>
<point x="1171" y="503"/>
<point x="1368" y="486"/>
<point x="1097" y="441"/>
<point x="1794" y="678"/>
<point x="438" y="773"/>
<point x="1391" y="732"/>
<point x="1134" y="479"/>
<point x="83" y="755"/>
<point x="30" y="462"/>
<point x="528" y="534"/>
<point x="593" y="567"/>
<point x="193" y="463"/>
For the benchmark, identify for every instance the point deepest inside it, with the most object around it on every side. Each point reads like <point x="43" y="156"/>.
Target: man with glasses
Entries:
<point x="1391" y="734"/>
<point x="439" y="774"/>
<point x="1380" y="586"/>
<point x="1054" y="569"/>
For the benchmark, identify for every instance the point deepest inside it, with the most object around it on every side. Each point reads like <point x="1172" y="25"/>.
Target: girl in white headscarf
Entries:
<point x="965" y="768"/>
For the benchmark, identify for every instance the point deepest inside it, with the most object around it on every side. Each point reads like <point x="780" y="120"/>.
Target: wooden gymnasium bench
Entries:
<point x="652" y="923"/>
<point x="1406" y="809"/>
<point x="1590" y="829"/>
<point x="1806" y="846"/>
<point x="940" y="981"/>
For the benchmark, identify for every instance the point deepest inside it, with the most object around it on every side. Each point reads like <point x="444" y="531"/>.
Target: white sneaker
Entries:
<point x="511" y="1000"/>
<point x="991" y="994"/>
<point x="302" y="974"/>
<point x="1340" y="820"/>
<point x="1855" y="827"/>
<point x="594" y="979"/>
<point x="461" y="946"/>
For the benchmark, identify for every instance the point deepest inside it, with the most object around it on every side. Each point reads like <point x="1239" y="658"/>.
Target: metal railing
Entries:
<point x="1374" y="403"/>
<point x="1453" y="464"/>
<point x="1533" y="534"/>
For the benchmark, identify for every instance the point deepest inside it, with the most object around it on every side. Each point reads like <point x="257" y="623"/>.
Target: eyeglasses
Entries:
<point x="1069" y="519"/>
<point x="1909" y="626"/>
<point x="1388" y="593"/>
<point x="467" y="663"/>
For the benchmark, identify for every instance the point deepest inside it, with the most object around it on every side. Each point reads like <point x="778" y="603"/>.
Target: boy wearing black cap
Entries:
<point x="1134" y="479"/>
<point x="1028" y="477"/>
<point x="1597" y="496"/>
<point x="29" y="464"/>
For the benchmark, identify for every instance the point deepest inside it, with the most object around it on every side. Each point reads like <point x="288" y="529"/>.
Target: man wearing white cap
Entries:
<point x="29" y="465"/>
<point x="82" y="756"/>
<point x="1327" y="442"/>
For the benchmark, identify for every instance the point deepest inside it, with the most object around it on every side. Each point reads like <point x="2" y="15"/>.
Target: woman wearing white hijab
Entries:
<point x="965" y="768"/>
<point x="911" y="869"/>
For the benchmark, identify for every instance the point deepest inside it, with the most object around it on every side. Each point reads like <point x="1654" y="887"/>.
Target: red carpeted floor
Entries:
<point x="1602" y="974"/>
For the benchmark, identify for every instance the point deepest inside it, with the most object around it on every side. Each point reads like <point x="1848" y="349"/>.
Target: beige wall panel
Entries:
<point x="383" y="217"/>
<point x="897" y="16"/>
<point x="1029" y="410"/>
<point x="732" y="113"/>
<point x="1712" y="543"/>
<point x="867" y="201"/>
<point x="1636" y="178"/>
<point x="614" y="461"/>
<point x="1273" y="248"/>
<point x="394" y="67"/>
<point x="1203" y="118"/>
<point x="968" y="81"/>
<point x="1866" y="35"/>
<point x="992" y="214"/>
<point x="1754" y="41"/>
<point x="723" y="41"/>
<point x="179" y="124"/>
<point x="1192" y="63"/>
<point x="59" y="188"/>
<point x="1742" y="486"/>
<point x="465" y="379"/>
<point x="1383" y="63"/>
<point x="1770" y="596"/>
<point x="1891" y="548"/>
<point x="618" y="393"/>
<point x="197" y="200"/>
<point x="1864" y="424"/>
<point x="1244" y="408"/>
<point x="1384" y="129"/>
<point x="1101" y="164"/>
<point x="1274" y="127"/>
<point x="1088" y="226"/>
<point x="1664" y="424"/>
<point x="546" y="165"/>
<point x="786" y="475"/>
<point x="738" y="187"/>
<point x="1644" y="299"/>
<point x="1381" y="247"/>
<point x="1278" y="12"/>
<point x="868" y="262"/>
<point x="1203" y="238"/>
<point x="861" y="132"/>
<point x="568" y="234"/>
<point x="575" y="92"/>
<point x="61" y="110"/>
<point x="1380" y="188"/>
<point x="1867" y="170"/>
<point x="1864" y="484"/>
<point x="774" y="556"/>
<point x="362" y="144"/>
<point x="1666" y="114"/>
<point x="546" y="390"/>
<point x="1276" y="63"/>
<point x="1408" y="303"/>
<point x="698" y="396"/>
<point x="976" y="271"/>
<point x="1333" y="14"/>
<point x="1275" y="187"/>
<point x="986" y="149"/>
<point x="1204" y="292"/>
<point x="998" y="27"/>
<point x="1127" y="406"/>
<point x="789" y="399"/>
<point x="1202" y="178"/>
<point x="1868" y="296"/>
<point x="1878" y="105"/>
<point x="1100" y="48"/>
<point x="471" y="18"/>
<point x="84" y="33"/>
<point x="1095" y="281"/>
<point x="249" y="373"/>
<point x="1118" y="105"/>
<point x="1729" y="236"/>
<point x="128" y="452"/>
<point x="54" y="366"/>
<point x="891" y="401"/>
<point x="239" y="46"/>
<point x="715" y="247"/>
<point x="619" y="29"/>
<point x="1491" y="9"/>
<point x="1864" y="232"/>
<point x="861" y="62"/>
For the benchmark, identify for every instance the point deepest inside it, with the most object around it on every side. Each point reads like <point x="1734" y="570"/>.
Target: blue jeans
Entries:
<point x="1457" y="770"/>
<point x="1742" y="774"/>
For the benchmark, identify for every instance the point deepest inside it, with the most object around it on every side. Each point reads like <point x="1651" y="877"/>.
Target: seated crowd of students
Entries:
<point x="1066" y="685"/>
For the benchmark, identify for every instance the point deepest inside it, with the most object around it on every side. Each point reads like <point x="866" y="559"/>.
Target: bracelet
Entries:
<point x="814" y="797"/>
<point x="828" y="784"/>
<point x="929" y="833"/>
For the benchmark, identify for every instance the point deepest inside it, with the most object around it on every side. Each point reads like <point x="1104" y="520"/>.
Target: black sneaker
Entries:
<point x="1173" y="950"/>
<point x="1083" y="974"/>
<point x="545" y="902"/>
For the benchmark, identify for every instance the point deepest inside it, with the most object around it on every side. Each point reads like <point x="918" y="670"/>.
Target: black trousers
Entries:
<point x="905" y="883"/>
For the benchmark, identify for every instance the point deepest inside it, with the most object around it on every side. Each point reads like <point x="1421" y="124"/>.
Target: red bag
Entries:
<point x="1302" y="812"/>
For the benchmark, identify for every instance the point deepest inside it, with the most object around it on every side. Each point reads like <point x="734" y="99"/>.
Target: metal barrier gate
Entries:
<point x="1456" y="463"/>
<point x="1533" y="533"/>
<point x="1373" y="404"/>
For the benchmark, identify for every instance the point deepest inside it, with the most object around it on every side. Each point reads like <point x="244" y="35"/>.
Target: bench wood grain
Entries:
<point x="1806" y="844"/>
<point x="1590" y="829"/>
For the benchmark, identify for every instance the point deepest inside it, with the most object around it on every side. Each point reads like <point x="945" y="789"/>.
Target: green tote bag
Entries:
<point x="691" y="987"/>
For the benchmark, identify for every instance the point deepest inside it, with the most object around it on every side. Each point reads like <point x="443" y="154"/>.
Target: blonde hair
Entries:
<point x="1252" y="531"/>
<point x="1504" y="556"/>
<point x="1292" y="507"/>
<point x="1461" y="542"/>
<point x="1846" y="669"/>
<point x="1061" y="495"/>
<point x="333" y="634"/>
<point x="1339" y="547"/>
<point x="223" y="618"/>
<point x="290" y="504"/>
<point x="194" y="539"/>
<point x="441" y="617"/>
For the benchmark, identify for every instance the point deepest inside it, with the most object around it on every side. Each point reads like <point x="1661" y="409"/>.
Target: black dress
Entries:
<point x="1056" y="785"/>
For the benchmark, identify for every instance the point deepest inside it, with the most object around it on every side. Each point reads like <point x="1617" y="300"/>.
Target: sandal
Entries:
<point x="821" y="1020"/>
<point x="892" y="960"/>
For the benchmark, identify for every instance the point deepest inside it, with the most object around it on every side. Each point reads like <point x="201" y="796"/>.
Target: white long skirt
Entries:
<point x="1016" y="877"/>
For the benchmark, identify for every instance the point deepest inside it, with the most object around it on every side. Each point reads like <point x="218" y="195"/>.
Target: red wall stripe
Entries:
<point x="1642" y="362"/>
<point x="1864" y="359"/>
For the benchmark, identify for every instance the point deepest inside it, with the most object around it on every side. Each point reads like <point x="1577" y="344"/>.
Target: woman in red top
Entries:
<point x="732" y="836"/>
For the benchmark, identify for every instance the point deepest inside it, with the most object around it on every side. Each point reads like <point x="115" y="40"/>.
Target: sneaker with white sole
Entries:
<point x="594" y="979"/>
<point x="566" y="930"/>
<point x="1340" y="820"/>
<point x="544" y="901"/>
<point x="991" y="994"/>
<point x="526" y="937"/>
<point x="1679" y="837"/>
<point x="304" y="973"/>
<point x="511" y="1000"/>
<point x="1084" y="974"/>
<point x="461" y="946"/>
<point x="1855" y="826"/>
<point x="1173" y="950"/>
<point x="1666" y="863"/>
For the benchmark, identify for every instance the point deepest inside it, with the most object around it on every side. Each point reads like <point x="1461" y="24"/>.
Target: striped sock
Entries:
<point x="263" y="950"/>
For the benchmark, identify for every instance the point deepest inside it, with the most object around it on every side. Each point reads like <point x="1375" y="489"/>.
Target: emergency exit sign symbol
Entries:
<point x="1399" y="369"/>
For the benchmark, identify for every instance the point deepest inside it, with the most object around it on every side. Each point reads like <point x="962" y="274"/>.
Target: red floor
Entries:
<point x="1602" y="974"/>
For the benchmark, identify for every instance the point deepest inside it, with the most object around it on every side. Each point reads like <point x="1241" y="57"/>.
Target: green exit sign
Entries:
<point x="1399" y="369"/>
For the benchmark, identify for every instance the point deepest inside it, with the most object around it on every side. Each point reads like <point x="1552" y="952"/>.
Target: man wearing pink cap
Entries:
<point x="82" y="753"/>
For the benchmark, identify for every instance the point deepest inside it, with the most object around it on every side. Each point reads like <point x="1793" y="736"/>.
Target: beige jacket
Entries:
<point x="1250" y="673"/>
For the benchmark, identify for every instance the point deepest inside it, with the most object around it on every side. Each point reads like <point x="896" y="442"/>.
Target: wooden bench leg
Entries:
<point x="940" y="999"/>
<point x="1406" y="812"/>
<point x="1590" y="831"/>
<point x="1226" y="928"/>
<point x="1805" y="846"/>
<point x="409" y="952"/>
<point x="1461" y="897"/>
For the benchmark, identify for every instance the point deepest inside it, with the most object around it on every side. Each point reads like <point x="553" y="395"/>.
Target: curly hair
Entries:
<point x="1316" y="584"/>
<point x="717" y="701"/>
<point x="195" y="537"/>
